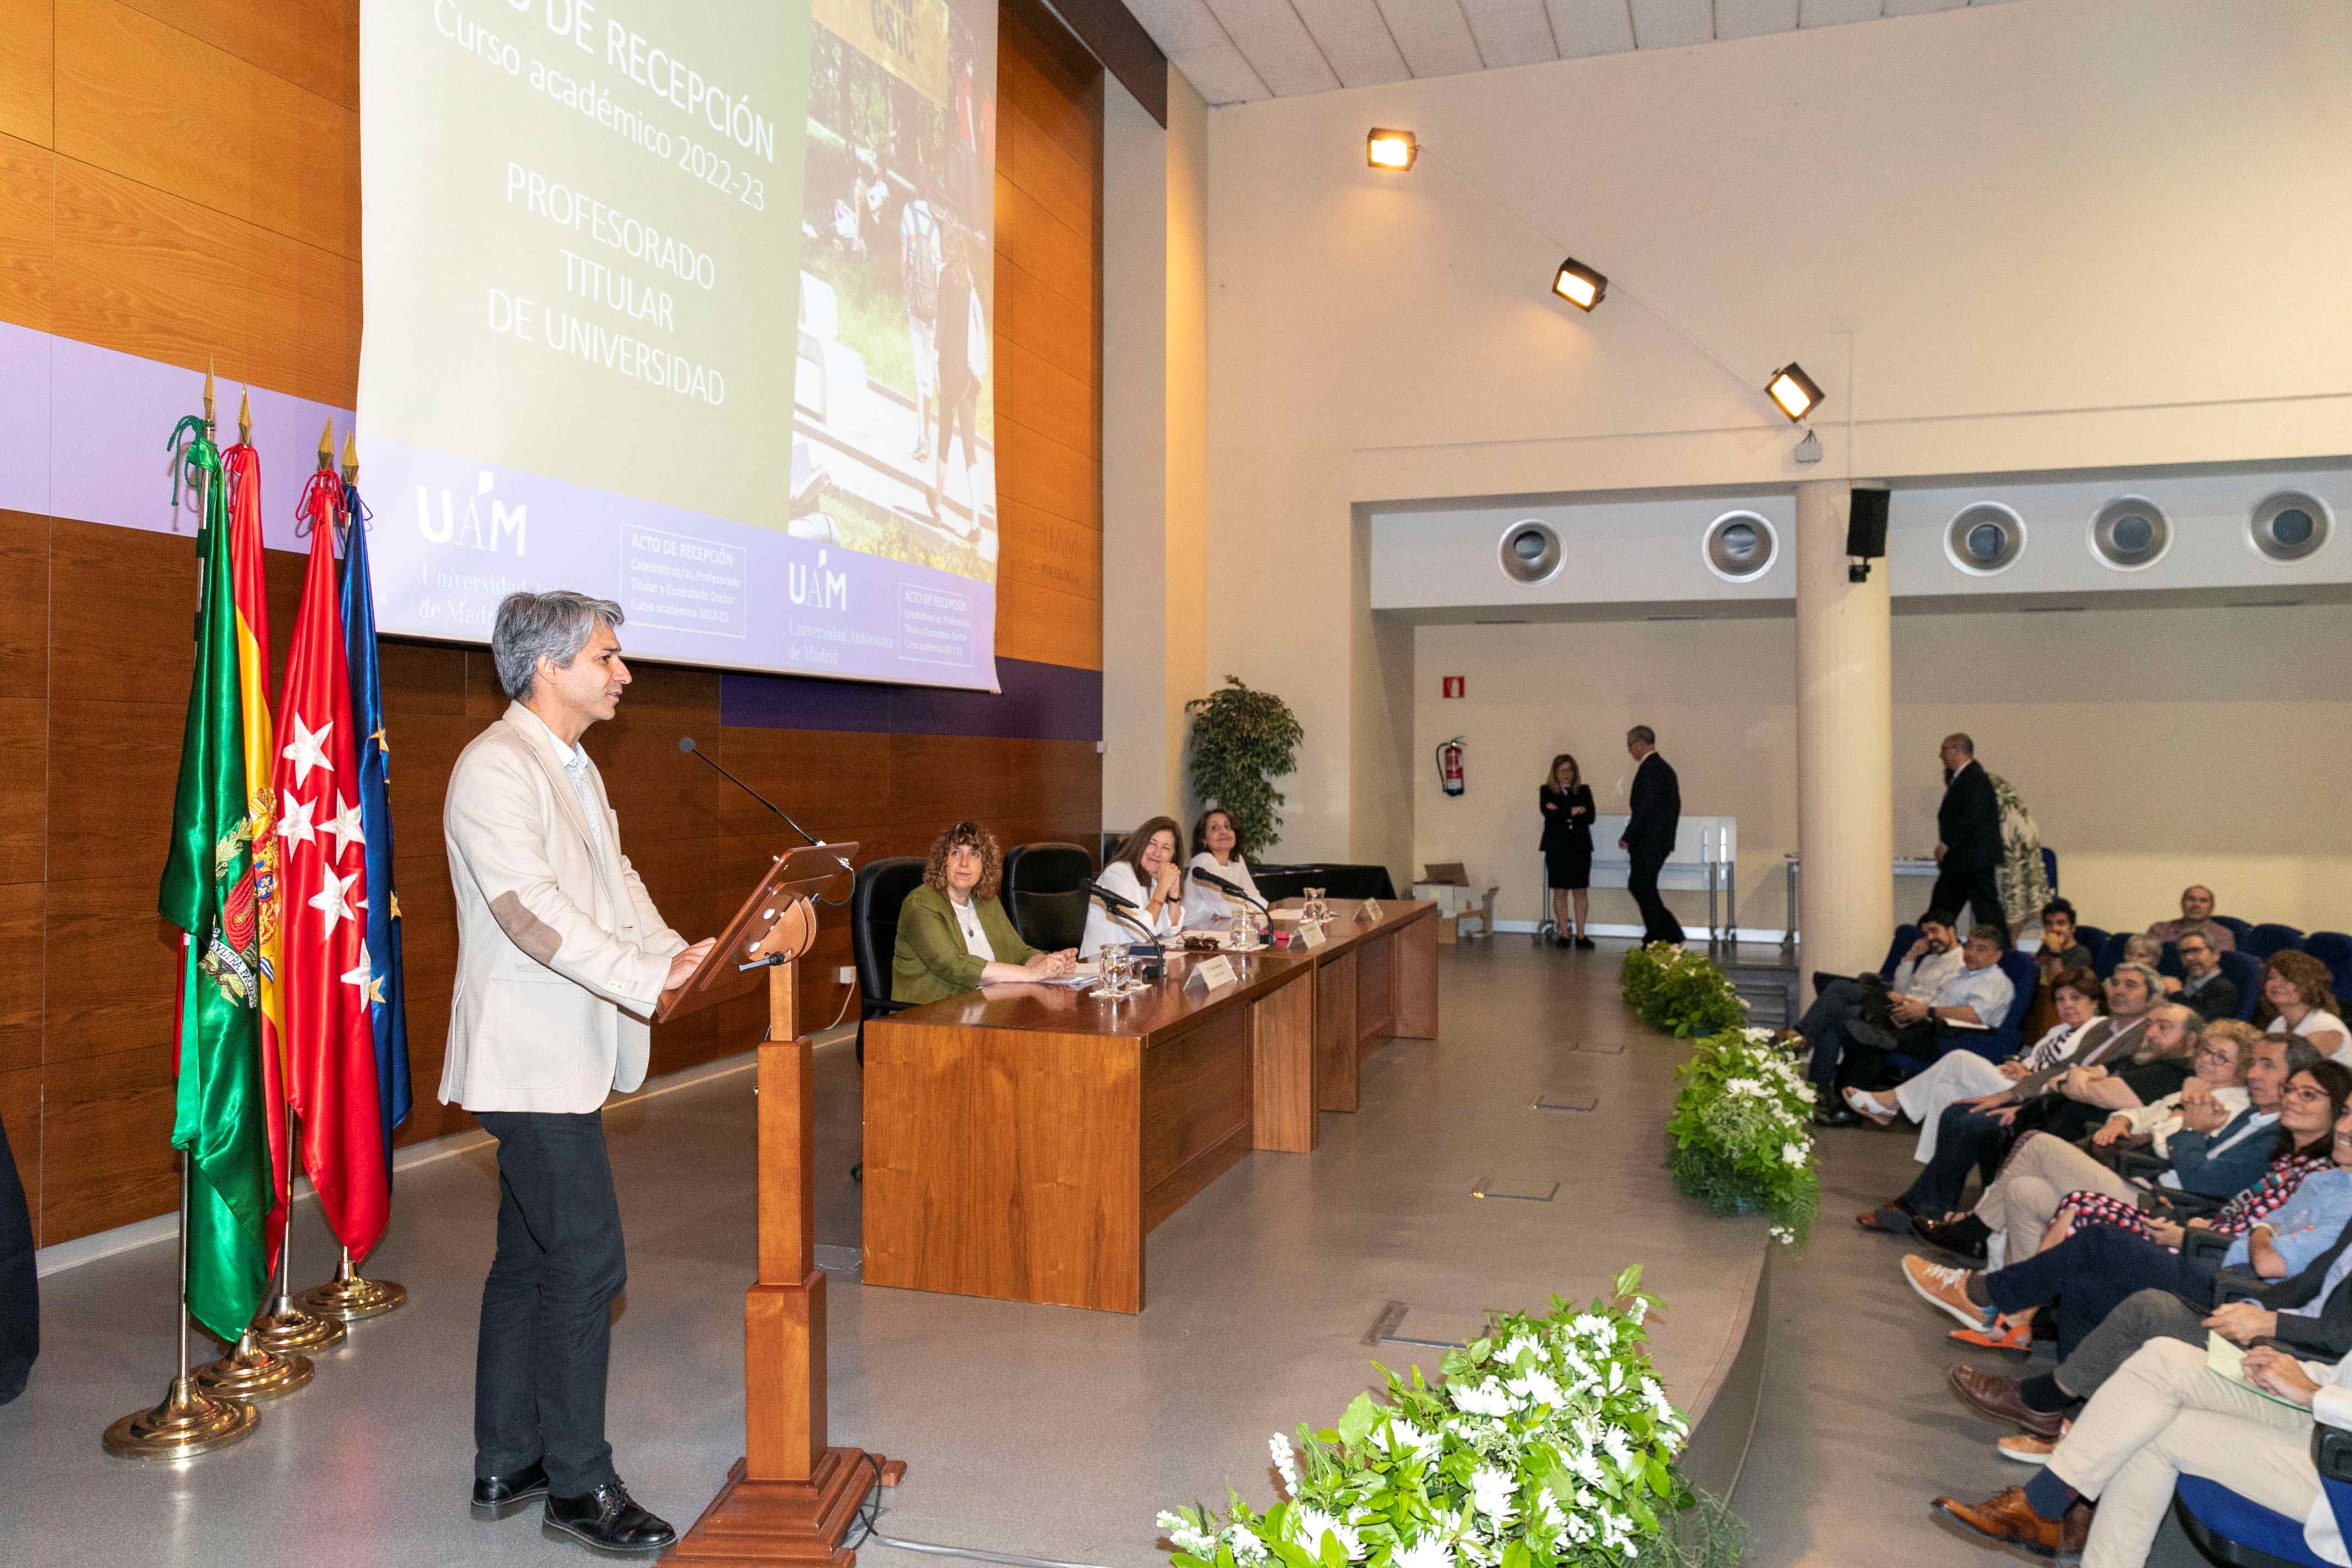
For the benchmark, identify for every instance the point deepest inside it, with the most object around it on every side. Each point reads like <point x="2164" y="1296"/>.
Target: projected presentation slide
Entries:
<point x="686" y="303"/>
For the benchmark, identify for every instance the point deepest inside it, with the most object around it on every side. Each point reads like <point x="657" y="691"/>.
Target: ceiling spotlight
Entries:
<point x="1797" y="394"/>
<point x="1390" y="149"/>
<point x="1578" y="283"/>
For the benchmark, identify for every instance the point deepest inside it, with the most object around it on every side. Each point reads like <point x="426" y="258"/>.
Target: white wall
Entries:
<point x="2154" y="747"/>
<point x="2054" y="234"/>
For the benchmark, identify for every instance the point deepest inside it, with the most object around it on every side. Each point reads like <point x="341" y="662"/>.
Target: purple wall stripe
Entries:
<point x="1040" y="702"/>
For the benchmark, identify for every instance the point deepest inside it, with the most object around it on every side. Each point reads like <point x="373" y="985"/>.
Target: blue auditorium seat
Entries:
<point x="2268" y="938"/>
<point x="2238" y="927"/>
<point x="2333" y="948"/>
<point x="2090" y="939"/>
<point x="2111" y="953"/>
<point x="1998" y="1044"/>
<point x="1903" y="937"/>
<point x="2050" y="868"/>
<point x="2246" y="974"/>
<point x="2230" y="1530"/>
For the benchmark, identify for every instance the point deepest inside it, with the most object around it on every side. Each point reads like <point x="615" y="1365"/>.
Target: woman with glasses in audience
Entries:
<point x="2297" y="1000"/>
<point x="1149" y="876"/>
<point x="953" y="934"/>
<point x="1217" y="850"/>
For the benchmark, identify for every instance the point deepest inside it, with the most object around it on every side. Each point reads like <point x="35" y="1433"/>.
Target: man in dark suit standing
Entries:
<point x="1968" y="823"/>
<point x="1657" y="805"/>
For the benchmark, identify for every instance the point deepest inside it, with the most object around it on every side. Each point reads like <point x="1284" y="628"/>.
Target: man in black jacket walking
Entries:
<point x="1968" y="823"/>
<point x="1656" y="807"/>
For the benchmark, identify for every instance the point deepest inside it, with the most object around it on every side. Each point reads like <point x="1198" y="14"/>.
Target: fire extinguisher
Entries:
<point x="1449" y="765"/>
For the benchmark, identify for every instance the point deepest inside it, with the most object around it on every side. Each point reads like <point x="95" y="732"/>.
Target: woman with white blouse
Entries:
<point x="1217" y="850"/>
<point x="2297" y="1000"/>
<point x="1147" y="873"/>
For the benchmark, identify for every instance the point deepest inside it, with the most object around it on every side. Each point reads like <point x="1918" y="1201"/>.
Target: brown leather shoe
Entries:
<point x="1890" y="1217"/>
<point x="1997" y="1398"/>
<point x="2006" y="1519"/>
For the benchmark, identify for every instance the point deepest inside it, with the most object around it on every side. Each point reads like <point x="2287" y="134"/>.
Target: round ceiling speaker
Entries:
<point x="2289" y="526"/>
<point x="1530" y="550"/>
<point x="1985" y="539"/>
<point x="2130" y="533"/>
<point x="1740" y="547"/>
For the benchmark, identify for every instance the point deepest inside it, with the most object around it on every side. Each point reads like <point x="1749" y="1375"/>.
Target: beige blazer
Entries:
<point x="560" y="955"/>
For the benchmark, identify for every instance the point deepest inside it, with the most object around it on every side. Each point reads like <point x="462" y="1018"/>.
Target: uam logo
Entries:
<point x="472" y="531"/>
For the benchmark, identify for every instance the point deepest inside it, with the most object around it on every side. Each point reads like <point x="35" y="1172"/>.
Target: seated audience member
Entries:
<point x="1978" y="992"/>
<point x="1148" y="872"/>
<point x="953" y="933"/>
<point x="2156" y="1124"/>
<point x="2196" y="914"/>
<point x="1217" y="850"/>
<point x="2310" y="1314"/>
<point x="2205" y="988"/>
<point x="2297" y="1000"/>
<point x="1839" y="999"/>
<point x="2094" y="1268"/>
<point x="2059" y="952"/>
<point x="2141" y="948"/>
<point x="1963" y="1074"/>
<point x="2163" y="1415"/>
<point x="2084" y="1095"/>
<point x="1976" y="1132"/>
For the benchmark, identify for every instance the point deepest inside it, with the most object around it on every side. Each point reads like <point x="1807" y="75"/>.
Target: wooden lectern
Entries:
<point x="791" y="1498"/>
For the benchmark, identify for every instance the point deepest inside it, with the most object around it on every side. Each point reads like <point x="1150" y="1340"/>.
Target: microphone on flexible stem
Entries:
<point x="686" y="744"/>
<point x="1222" y="886"/>
<point x="1115" y="905"/>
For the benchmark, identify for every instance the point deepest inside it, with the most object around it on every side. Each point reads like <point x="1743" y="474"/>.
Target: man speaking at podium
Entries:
<point x="561" y="955"/>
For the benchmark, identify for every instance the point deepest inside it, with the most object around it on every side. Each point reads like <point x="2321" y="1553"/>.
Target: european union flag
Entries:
<point x="375" y="815"/>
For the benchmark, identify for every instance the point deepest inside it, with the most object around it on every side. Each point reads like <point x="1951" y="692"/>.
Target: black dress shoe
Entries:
<point x="1561" y="942"/>
<point x="608" y="1522"/>
<point x="1585" y="943"/>
<point x="495" y="1496"/>
<point x="1828" y="1116"/>
<point x="1955" y="1236"/>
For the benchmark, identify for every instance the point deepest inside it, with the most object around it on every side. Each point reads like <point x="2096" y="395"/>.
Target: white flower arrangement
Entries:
<point x="1547" y="1444"/>
<point x="1741" y="1132"/>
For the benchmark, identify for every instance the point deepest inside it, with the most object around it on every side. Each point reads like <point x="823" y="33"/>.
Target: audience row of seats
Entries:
<point x="2255" y="943"/>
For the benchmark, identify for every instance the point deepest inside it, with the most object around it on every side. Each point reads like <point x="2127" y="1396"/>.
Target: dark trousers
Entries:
<point x="2090" y="1273"/>
<point x="2143" y="1316"/>
<point x="1658" y="922"/>
<point x="20" y="1291"/>
<point x="547" y="1323"/>
<point x="1979" y="890"/>
<point x="1965" y="1140"/>
<point x="1839" y="1058"/>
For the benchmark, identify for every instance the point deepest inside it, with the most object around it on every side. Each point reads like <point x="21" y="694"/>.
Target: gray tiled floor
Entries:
<point x="1027" y="1429"/>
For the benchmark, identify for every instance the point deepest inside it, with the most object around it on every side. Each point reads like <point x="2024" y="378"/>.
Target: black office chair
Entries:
<point x="1044" y="892"/>
<point x="876" y="895"/>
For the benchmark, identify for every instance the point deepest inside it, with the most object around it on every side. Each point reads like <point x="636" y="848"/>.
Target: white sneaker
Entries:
<point x="1872" y="1106"/>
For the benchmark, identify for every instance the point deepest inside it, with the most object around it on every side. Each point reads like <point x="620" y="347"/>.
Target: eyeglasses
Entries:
<point x="2306" y="1095"/>
<point x="2217" y="1053"/>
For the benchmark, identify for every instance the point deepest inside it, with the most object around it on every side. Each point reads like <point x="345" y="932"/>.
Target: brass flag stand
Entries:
<point x="791" y="1498"/>
<point x="189" y="1421"/>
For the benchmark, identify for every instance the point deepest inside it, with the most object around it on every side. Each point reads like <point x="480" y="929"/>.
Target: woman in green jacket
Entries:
<point x="953" y="933"/>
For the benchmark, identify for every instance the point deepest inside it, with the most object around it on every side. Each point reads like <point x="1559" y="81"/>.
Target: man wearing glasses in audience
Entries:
<point x="2204" y="988"/>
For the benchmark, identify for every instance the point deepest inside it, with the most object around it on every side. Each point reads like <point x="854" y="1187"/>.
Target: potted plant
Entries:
<point x="1244" y="739"/>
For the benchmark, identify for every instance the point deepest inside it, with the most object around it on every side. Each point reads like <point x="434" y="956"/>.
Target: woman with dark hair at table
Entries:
<point x="1217" y="850"/>
<point x="1566" y="800"/>
<point x="1147" y="873"/>
<point x="953" y="934"/>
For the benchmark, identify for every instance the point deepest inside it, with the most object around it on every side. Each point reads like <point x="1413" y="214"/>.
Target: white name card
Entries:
<point x="1211" y="973"/>
<point x="1311" y="934"/>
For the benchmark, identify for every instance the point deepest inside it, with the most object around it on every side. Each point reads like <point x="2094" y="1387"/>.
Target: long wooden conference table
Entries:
<point x="1022" y="1141"/>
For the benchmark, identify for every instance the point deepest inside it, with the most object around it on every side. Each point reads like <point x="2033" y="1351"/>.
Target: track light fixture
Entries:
<point x="1387" y="148"/>
<point x="1578" y="283"/>
<point x="1797" y="394"/>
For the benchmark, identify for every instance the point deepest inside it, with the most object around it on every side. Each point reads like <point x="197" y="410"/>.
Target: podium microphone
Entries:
<point x="686" y="744"/>
<point x="1117" y="905"/>
<point x="1222" y="886"/>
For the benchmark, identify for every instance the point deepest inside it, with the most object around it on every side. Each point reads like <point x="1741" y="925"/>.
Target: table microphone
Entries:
<point x="1116" y="904"/>
<point x="1222" y="886"/>
<point x="686" y="744"/>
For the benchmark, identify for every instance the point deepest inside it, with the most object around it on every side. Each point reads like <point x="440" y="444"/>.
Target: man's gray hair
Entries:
<point x="1642" y="733"/>
<point x="2147" y="977"/>
<point x="557" y="624"/>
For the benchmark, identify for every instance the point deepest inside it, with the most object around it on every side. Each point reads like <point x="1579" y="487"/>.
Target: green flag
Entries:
<point x="208" y="892"/>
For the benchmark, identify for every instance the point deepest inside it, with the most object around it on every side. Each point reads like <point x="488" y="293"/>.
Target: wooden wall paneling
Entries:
<point x="1062" y="257"/>
<point x="167" y="279"/>
<point x="23" y="934"/>
<point x="1030" y="311"/>
<point x="1045" y="70"/>
<point x="111" y="967"/>
<point x="1196" y="1111"/>
<point x="29" y="232"/>
<point x="143" y="98"/>
<point x="1061" y="179"/>
<point x="20" y="1114"/>
<point x="313" y="44"/>
<point x="106" y="1142"/>
<point x="113" y="771"/>
<point x="1045" y="396"/>
<point x="24" y="788"/>
<point x="23" y="605"/>
<point x="27" y="70"/>
<point x="420" y="677"/>
<point x="832" y="781"/>
<point x="96" y="572"/>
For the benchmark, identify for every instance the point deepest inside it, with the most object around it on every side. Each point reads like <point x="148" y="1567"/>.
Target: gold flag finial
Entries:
<point x="327" y="447"/>
<point x="245" y="416"/>
<point x="352" y="456"/>
<point x="208" y="391"/>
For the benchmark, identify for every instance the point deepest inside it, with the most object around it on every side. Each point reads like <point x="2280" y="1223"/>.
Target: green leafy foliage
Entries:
<point x="1740" y="1137"/>
<point x="1547" y="1444"/>
<point x="1677" y="991"/>
<point x="1242" y="741"/>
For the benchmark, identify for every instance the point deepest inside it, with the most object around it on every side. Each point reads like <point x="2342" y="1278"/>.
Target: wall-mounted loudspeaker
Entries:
<point x="1865" y="525"/>
<point x="1530" y="550"/>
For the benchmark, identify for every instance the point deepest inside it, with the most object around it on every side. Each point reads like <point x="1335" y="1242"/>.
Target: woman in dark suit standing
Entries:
<point x="1567" y="803"/>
